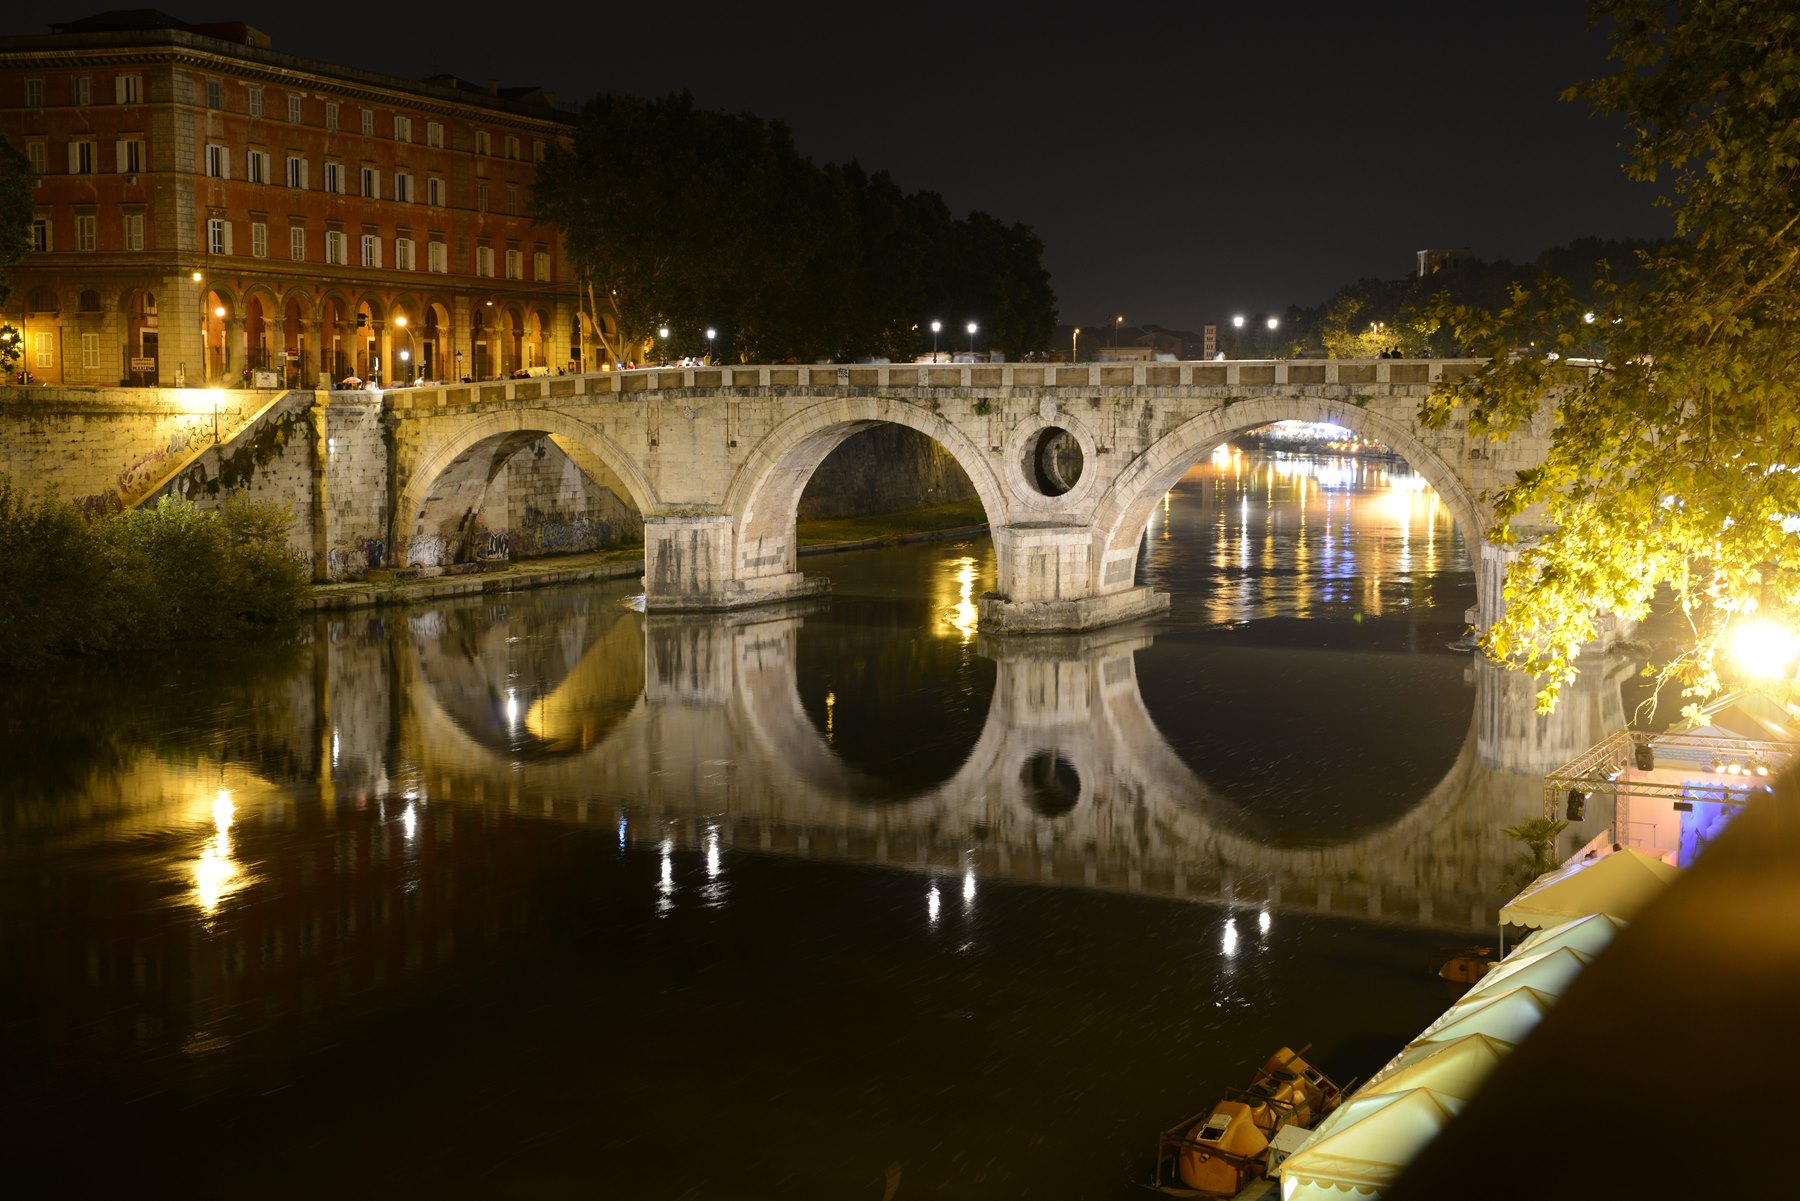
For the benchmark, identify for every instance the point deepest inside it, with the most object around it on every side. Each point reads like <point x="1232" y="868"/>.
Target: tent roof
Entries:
<point x="1590" y="934"/>
<point x="1619" y="885"/>
<point x="1550" y="972"/>
<point x="1455" y="1068"/>
<point x="1373" y="1140"/>
<point x="1508" y="1016"/>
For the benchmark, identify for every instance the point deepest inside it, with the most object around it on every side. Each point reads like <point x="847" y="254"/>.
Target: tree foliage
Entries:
<point x="1675" y="457"/>
<point x="688" y="219"/>
<point x="16" y="209"/>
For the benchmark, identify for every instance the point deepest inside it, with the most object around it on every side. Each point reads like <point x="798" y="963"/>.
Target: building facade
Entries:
<point x="211" y="212"/>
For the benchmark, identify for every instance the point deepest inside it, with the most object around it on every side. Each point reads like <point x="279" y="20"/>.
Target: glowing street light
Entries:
<point x="1117" y="322"/>
<point x="1074" y="345"/>
<point x="972" y="328"/>
<point x="711" y="333"/>
<point x="935" y="327"/>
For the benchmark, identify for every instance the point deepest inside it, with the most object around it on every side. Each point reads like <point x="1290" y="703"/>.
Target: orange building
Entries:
<point x="208" y="208"/>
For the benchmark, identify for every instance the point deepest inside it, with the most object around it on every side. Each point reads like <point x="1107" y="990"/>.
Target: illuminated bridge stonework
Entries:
<point x="716" y="459"/>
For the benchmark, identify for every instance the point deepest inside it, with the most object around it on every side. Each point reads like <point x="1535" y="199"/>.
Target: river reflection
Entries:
<point x="521" y="895"/>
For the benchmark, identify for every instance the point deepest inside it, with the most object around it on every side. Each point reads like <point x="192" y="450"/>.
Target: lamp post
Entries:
<point x="972" y="329"/>
<point x="1075" y="345"/>
<point x="1117" y="322"/>
<point x="405" y="355"/>
<point x="935" y="327"/>
<point x="711" y="333"/>
<point x="1272" y="324"/>
<point x="663" y="333"/>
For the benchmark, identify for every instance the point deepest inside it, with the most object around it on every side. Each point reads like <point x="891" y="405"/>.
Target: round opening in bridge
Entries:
<point x="1053" y="461"/>
<point x="1052" y="785"/>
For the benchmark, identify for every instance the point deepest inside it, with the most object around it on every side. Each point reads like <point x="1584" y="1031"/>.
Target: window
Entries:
<point x="512" y="146"/>
<point x="134" y="231"/>
<point x="256" y="166"/>
<point x="259" y="240"/>
<point x="34" y="93"/>
<point x="218" y="161"/>
<point x="402" y="128"/>
<point x="46" y="350"/>
<point x="90" y="351"/>
<point x="128" y="155"/>
<point x="34" y="153"/>
<point x="371" y="250"/>
<point x="215" y="94"/>
<point x="540" y="266"/>
<point x="371" y="182"/>
<point x="434" y="192"/>
<point x="402" y="187"/>
<point x="484" y="260"/>
<point x="537" y="151"/>
<point x="128" y="89"/>
<point x="296" y="171"/>
<point x="482" y="145"/>
<point x="334" y="177"/>
<point x="337" y="247"/>
<point x="293" y="109"/>
<point x="81" y="91"/>
<point x="434" y="133"/>
<point x="40" y="234"/>
<point x="515" y="264"/>
<point x="84" y="231"/>
<point x="437" y="257"/>
<point x="481" y="197"/>
<point x="81" y="158"/>
<point x="368" y="122"/>
<point x="512" y="202"/>
<point x="403" y="254"/>
<point x="218" y="236"/>
<point x="253" y="96"/>
<point x="297" y="243"/>
<point x="331" y="114"/>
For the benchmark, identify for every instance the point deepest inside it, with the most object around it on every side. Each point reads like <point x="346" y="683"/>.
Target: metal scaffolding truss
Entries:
<point x="1600" y="770"/>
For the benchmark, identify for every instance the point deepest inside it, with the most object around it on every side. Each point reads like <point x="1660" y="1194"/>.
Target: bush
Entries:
<point x="141" y="577"/>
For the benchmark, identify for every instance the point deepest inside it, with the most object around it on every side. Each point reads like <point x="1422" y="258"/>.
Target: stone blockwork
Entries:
<point x="717" y="459"/>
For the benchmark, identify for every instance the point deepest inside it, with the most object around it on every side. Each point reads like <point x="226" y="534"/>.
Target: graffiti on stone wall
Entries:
<point x="567" y="537"/>
<point x="351" y="560"/>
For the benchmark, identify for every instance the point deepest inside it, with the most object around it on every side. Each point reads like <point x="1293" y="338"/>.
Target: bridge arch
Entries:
<point x="446" y="483"/>
<point x="1124" y="512"/>
<point x="764" y="494"/>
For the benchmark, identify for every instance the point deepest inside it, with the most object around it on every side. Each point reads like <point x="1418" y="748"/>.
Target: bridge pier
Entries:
<point x="691" y="564"/>
<point x="1045" y="573"/>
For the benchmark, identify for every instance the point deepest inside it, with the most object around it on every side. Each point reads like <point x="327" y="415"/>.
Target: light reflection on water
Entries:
<point x="539" y="820"/>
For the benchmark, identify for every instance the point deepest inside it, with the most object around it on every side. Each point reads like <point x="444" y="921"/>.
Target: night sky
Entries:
<point x="1181" y="161"/>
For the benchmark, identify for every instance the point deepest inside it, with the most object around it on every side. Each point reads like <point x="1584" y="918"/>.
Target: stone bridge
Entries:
<point x="1068" y="461"/>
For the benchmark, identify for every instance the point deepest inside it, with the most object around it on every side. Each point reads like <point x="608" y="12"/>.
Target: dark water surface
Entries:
<point x="537" y="896"/>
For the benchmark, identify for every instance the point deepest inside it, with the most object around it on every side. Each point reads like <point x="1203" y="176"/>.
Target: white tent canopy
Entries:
<point x="1590" y="934"/>
<point x="1367" y="1145"/>
<point x="1549" y="972"/>
<point x="1455" y="1068"/>
<point x="1619" y="885"/>
<point x="1507" y="1016"/>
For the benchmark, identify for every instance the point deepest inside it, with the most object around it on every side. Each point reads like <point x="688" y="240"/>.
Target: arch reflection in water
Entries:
<point x="1069" y="780"/>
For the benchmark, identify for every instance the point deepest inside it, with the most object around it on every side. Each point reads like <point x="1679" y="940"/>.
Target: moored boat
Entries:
<point x="1233" y="1149"/>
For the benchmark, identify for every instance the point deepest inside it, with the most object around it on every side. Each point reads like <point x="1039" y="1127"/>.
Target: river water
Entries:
<point x="538" y="896"/>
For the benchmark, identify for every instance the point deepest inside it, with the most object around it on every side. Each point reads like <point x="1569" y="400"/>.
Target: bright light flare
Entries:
<point x="1764" y="649"/>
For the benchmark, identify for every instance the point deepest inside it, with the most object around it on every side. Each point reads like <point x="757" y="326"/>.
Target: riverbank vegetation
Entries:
<point x="74" y="585"/>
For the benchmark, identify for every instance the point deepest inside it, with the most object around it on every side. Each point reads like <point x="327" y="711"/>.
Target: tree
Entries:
<point x="1675" y="455"/>
<point x="16" y="209"/>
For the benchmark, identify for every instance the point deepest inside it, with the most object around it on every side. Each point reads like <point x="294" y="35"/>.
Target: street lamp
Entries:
<point x="935" y="327"/>
<point x="711" y="333"/>
<point x="1075" y="345"/>
<point x="1117" y="322"/>
<point x="972" y="328"/>
<point x="1272" y="324"/>
<point x="663" y="333"/>
<point x="405" y="355"/>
